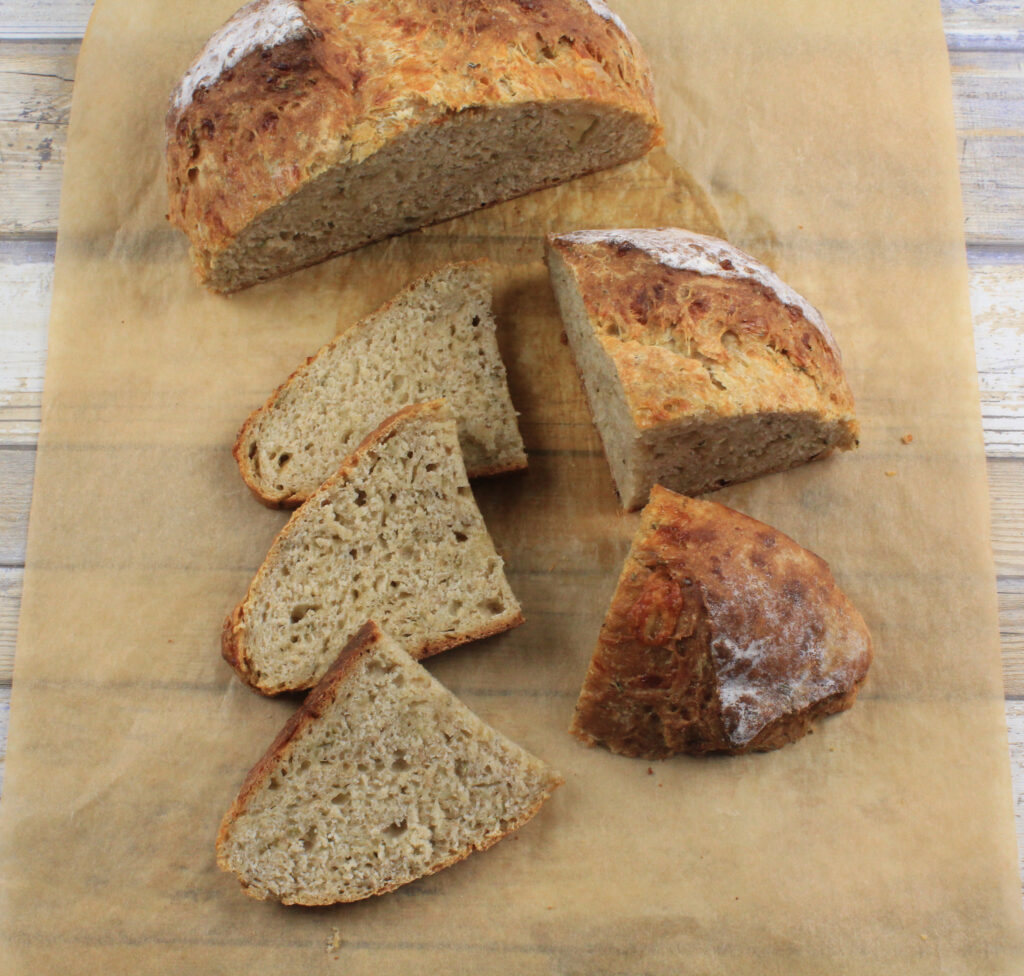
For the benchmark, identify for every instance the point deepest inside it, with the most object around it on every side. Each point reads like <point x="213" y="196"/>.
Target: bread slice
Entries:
<point x="304" y="130"/>
<point x="723" y="635"/>
<point x="394" y="536"/>
<point x="701" y="367"/>
<point x="382" y="776"/>
<point x="435" y="338"/>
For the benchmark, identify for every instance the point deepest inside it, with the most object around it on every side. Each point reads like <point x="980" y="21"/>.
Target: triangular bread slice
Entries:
<point x="702" y="368"/>
<point x="395" y="536"/>
<point x="382" y="776"/>
<point x="723" y="635"/>
<point x="435" y="338"/>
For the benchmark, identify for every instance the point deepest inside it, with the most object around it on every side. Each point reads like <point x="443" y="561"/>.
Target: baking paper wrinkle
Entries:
<point x="836" y="854"/>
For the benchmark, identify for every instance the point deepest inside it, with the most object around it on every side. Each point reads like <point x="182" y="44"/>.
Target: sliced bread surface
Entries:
<point x="724" y="635"/>
<point x="701" y="367"/>
<point x="382" y="776"/>
<point x="435" y="338"/>
<point x="307" y="129"/>
<point x="394" y="536"/>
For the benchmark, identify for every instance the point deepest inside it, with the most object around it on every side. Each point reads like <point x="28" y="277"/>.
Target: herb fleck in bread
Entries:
<point x="307" y="129"/>
<point x="723" y="635"/>
<point x="701" y="367"/>
<point x="381" y="777"/>
<point x="394" y="536"/>
<point x="435" y="338"/>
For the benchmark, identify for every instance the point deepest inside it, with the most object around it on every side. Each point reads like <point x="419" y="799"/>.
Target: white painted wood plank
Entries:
<point x="989" y="112"/>
<point x="11" y="579"/>
<point x="1015" y="730"/>
<point x="26" y="284"/>
<point x="983" y="24"/>
<point x="47" y="19"/>
<point x="17" y="467"/>
<point x="5" y="714"/>
<point x="35" y="102"/>
<point x="997" y="303"/>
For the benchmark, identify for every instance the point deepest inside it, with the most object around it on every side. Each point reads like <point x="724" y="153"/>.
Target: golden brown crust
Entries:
<point x="368" y="72"/>
<point x="723" y="635"/>
<point x="233" y="643"/>
<point x="668" y="330"/>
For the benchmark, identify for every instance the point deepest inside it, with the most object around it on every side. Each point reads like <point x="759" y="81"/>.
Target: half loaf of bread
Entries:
<point x="306" y="128"/>
<point x="381" y="777"/>
<point x="723" y="635"/>
<point x="393" y="536"/>
<point x="701" y="367"/>
<point x="435" y="338"/>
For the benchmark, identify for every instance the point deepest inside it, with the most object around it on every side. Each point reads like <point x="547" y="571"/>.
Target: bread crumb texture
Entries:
<point x="701" y="367"/>
<point x="723" y="635"/>
<point x="331" y="125"/>
<point x="436" y="338"/>
<point x="394" y="536"/>
<point x="381" y="777"/>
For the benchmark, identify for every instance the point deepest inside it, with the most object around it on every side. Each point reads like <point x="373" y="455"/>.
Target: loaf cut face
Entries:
<point x="701" y="367"/>
<point x="435" y="338"/>
<point x="304" y="130"/>
<point x="723" y="635"/>
<point x="394" y="536"/>
<point x="382" y="776"/>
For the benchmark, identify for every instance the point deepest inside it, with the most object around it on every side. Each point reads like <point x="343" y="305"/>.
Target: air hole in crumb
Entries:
<point x="400" y="763"/>
<point x="461" y="537"/>
<point x="493" y="606"/>
<point x="252" y="450"/>
<point x="395" y="829"/>
<point x="476" y="320"/>
<point x="360" y="497"/>
<point x="283" y="459"/>
<point x="300" y="610"/>
<point x="432" y="466"/>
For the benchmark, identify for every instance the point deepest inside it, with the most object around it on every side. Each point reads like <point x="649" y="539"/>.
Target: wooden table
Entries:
<point x="39" y="42"/>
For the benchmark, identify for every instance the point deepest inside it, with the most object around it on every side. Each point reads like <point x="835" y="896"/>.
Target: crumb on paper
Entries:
<point x="924" y="938"/>
<point x="890" y="474"/>
<point x="333" y="940"/>
<point x="907" y="439"/>
<point x="650" y="772"/>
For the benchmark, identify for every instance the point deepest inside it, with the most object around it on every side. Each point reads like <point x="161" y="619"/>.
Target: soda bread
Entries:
<point x="381" y="777"/>
<point x="435" y="338"/>
<point x="393" y="536"/>
<point x="306" y="128"/>
<point x="723" y="635"/>
<point x="701" y="367"/>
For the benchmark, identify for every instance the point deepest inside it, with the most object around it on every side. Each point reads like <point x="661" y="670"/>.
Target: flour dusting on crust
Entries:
<point x="686" y="251"/>
<point x="603" y="10"/>
<point x="258" y="25"/>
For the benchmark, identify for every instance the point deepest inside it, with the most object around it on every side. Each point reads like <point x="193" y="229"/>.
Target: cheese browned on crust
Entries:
<point x="381" y="777"/>
<point x="702" y="368"/>
<point x="307" y="128"/>
<point x="723" y="635"/>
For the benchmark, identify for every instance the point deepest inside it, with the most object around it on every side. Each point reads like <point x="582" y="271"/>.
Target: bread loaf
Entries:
<point x="723" y="635"/>
<point x="435" y="338"/>
<point x="701" y="367"/>
<point x="381" y="777"/>
<point x="307" y="128"/>
<point x="394" y="536"/>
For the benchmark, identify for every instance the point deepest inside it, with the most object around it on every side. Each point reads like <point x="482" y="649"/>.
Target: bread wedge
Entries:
<point x="723" y="635"/>
<point x="394" y="536"/>
<point x="382" y="776"/>
<point x="305" y="129"/>
<point x="435" y="338"/>
<point x="702" y="368"/>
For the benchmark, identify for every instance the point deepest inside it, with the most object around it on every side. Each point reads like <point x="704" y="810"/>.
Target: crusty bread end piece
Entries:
<point x="701" y="367"/>
<point x="395" y="536"/>
<point x="723" y="635"/>
<point x="381" y="777"/>
<point x="435" y="338"/>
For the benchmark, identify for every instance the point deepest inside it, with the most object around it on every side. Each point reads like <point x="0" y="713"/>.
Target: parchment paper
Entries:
<point x="881" y="844"/>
